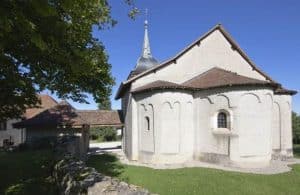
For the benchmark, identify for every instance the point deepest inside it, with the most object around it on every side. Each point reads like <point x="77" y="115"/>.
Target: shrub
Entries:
<point x="103" y="134"/>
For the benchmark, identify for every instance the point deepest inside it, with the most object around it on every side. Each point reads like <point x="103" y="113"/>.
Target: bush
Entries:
<point x="103" y="134"/>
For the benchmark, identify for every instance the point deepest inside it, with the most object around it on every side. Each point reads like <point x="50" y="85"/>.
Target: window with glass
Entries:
<point x="222" y="120"/>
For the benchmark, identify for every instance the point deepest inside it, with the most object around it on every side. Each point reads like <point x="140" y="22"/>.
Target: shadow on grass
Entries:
<point x="106" y="164"/>
<point x="26" y="172"/>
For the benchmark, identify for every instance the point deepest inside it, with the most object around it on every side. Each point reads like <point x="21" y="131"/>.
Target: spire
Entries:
<point x="146" y="53"/>
<point x="146" y="60"/>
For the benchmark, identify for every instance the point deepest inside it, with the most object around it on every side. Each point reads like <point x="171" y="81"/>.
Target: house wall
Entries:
<point x="214" y="51"/>
<point x="16" y="135"/>
<point x="33" y="134"/>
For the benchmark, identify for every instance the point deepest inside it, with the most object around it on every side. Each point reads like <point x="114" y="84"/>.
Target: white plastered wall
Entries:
<point x="214" y="51"/>
<point x="170" y="140"/>
<point x="250" y="125"/>
<point x="282" y="131"/>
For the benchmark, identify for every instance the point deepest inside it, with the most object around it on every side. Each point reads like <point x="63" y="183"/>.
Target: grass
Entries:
<point x="26" y="172"/>
<point x="198" y="180"/>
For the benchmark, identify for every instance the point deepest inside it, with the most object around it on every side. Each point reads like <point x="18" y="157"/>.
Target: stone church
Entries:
<point x="209" y="102"/>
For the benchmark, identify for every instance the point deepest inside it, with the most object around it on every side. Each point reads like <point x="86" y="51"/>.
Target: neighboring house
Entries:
<point x="11" y="135"/>
<point x="18" y="136"/>
<point x="62" y="119"/>
<point x="210" y="102"/>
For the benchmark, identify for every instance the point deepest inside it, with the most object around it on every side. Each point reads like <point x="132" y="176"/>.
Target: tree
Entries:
<point x="105" y="104"/>
<point x="48" y="44"/>
<point x="296" y="127"/>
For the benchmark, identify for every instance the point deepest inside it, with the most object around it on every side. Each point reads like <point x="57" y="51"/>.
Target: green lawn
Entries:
<point x="198" y="180"/>
<point x="26" y="172"/>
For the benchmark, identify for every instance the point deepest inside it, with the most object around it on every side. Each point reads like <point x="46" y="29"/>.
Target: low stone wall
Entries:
<point x="73" y="177"/>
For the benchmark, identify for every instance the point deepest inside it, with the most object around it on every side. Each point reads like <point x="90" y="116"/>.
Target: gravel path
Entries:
<point x="104" y="147"/>
<point x="275" y="167"/>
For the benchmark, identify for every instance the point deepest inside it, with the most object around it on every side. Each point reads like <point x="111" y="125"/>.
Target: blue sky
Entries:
<point x="268" y="31"/>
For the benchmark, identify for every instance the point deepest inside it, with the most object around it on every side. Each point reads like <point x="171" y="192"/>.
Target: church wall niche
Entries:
<point x="287" y="130"/>
<point x="146" y="128"/>
<point x="253" y="125"/>
<point x="187" y="128"/>
<point x="276" y="128"/>
<point x="221" y="104"/>
<point x="284" y="103"/>
<point x="170" y="128"/>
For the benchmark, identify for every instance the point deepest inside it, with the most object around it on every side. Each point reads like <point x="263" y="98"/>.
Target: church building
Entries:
<point x="209" y="102"/>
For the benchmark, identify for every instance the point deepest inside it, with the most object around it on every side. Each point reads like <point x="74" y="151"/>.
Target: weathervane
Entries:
<point x="146" y="16"/>
<point x="146" y="13"/>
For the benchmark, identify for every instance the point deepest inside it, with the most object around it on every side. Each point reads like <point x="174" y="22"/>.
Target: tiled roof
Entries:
<point x="159" y="85"/>
<point x="101" y="117"/>
<point x="284" y="91"/>
<point x="46" y="102"/>
<point x="63" y="114"/>
<point x="215" y="77"/>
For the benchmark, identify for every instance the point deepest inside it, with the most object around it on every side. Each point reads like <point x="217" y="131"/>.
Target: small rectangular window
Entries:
<point x="3" y="126"/>
<point x="147" y="123"/>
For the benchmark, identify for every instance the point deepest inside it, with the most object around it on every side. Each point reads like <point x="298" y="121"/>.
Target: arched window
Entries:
<point x="222" y="120"/>
<point x="147" y="123"/>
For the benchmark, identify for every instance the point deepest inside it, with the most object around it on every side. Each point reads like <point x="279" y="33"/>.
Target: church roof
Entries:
<point x="217" y="77"/>
<point x="213" y="78"/>
<point x="159" y="85"/>
<point x="146" y="60"/>
<point x="125" y="85"/>
<point x="281" y="90"/>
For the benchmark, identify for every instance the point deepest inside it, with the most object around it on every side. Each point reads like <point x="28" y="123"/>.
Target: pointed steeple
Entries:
<point x="146" y="53"/>
<point x="146" y="60"/>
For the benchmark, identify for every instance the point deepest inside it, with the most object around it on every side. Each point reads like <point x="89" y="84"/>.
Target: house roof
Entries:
<point x="101" y="117"/>
<point x="125" y="85"/>
<point x="46" y="102"/>
<point x="213" y="78"/>
<point x="63" y="114"/>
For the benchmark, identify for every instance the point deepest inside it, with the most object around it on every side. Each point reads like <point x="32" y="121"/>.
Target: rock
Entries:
<point x="73" y="177"/>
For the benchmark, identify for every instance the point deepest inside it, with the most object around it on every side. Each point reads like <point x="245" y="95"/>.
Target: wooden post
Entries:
<point x="84" y="141"/>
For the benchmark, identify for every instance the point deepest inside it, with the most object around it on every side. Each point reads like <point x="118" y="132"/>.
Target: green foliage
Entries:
<point x="296" y="128"/>
<point x="105" y="104"/>
<point x="198" y="181"/>
<point x="26" y="172"/>
<point x="103" y="134"/>
<point x="48" y="44"/>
